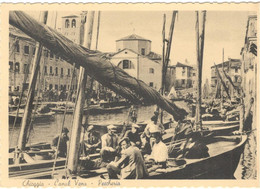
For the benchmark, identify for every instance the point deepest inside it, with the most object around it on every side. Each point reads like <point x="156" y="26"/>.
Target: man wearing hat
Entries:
<point x="131" y="164"/>
<point x="159" y="150"/>
<point x="92" y="140"/>
<point x="134" y="136"/>
<point x="109" y="142"/>
<point x="62" y="149"/>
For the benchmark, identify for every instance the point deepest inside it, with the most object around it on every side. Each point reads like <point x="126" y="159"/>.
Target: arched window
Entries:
<point x="17" y="67"/>
<point x="151" y="70"/>
<point x="126" y="64"/>
<point x="67" y="23"/>
<point x="73" y="23"/>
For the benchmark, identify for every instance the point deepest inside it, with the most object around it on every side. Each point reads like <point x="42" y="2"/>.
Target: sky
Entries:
<point x="223" y="30"/>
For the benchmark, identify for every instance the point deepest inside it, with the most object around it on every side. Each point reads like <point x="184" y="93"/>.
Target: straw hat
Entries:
<point x="111" y="127"/>
<point x="155" y="129"/>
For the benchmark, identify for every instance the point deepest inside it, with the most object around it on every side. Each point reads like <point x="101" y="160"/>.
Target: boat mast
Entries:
<point x="166" y="59"/>
<point x="199" y="49"/>
<point x="31" y="90"/>
<point x="74" y="148"/>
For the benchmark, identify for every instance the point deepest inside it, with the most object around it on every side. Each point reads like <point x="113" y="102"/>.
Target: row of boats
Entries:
<point x="59" y="108"/>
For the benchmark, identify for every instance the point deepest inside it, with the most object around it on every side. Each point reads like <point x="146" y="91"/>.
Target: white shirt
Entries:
<point x="159" y="152"/>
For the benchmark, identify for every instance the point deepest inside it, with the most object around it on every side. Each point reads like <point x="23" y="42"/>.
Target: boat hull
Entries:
<point x="221" y="166"/>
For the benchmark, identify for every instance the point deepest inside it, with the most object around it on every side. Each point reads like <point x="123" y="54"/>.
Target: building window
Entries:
<point x="25" y="68"/>
<point x="17" y="47"/>
<point x="126" y="64"/>
<point x="151" y="84"/>
<point x="56" y="71"/>
<point x="183" y="81"/>
<point x="11" y="66"/>
<point x="26" y="49"/>
<point x="45" y="70"/>
<point x="67" y="23"/>
<point x="61" y="71"/>
<point x="73" y="23"/>
<point x="151" y="70"/>
<point x="236" y="70"/>
<point x="68" y="72"/>
<point x="46" y="53"/>
<point x="143" y="51"/>
<point x="50" y="87"/>
<point x="17" y="67"/>
<point x="56" y="87"/>
<point x="50" y="69"/>
<point x="51" y="55"/>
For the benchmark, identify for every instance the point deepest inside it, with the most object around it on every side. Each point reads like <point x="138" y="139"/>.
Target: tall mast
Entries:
<point x="166" y="59"/>
<point x="199" y="49"/>
<point x="78" y="113"/>
<point x="30" y="97"/>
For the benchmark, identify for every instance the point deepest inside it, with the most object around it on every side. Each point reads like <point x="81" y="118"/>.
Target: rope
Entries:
<point x="63" y="120"/>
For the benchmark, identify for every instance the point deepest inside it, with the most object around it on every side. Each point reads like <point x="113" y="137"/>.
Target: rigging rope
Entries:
<point x="63" y="121"/>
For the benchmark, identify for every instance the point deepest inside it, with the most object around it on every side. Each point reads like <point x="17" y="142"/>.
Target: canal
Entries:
<point x="45" y="132"/>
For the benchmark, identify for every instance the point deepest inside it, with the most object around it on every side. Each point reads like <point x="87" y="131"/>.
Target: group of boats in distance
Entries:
<point x="61" y="108"/>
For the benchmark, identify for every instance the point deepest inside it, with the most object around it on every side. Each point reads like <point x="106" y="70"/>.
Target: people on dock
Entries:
<point x="92" y="141"/>
<point x="62" y="148"/>
<point x="134" y="135"/>
<point x="159" y="150"/>
<point x="131" y="164"/>
<point x="109" y="142"/>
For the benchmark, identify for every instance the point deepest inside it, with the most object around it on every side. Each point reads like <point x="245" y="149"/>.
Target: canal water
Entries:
<point x="45" y="132"/>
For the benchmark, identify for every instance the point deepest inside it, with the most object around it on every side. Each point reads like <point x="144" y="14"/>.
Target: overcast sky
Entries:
<point x="223" y="30"/>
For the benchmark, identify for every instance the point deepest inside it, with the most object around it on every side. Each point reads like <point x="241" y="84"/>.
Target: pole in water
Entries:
<point x="30" y="97"/>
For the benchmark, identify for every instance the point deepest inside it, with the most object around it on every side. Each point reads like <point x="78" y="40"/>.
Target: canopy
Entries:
<point x="96" y="64"/>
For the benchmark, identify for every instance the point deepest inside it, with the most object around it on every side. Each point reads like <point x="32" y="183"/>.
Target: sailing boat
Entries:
<point x="224" y="151"/>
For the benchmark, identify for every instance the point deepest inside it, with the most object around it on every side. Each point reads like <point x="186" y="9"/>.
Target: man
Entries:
<point x="133" y="114"/>
<point x="92" y="141"/>
<point x="62" y="149"/>
<point x="109" y="143"/>
<point x="159" y="150"/>
<point x="194" y="148"/>
<point x="131" y="164"/>
<point x="134" y="136"/>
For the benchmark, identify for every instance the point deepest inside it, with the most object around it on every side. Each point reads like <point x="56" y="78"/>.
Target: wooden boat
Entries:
<point x="39" y="117"/>
<point x="93" y="109"/>
<point x="224" y="157"/>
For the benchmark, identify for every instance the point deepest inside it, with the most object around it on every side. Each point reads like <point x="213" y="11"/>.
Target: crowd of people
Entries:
<point x="131" y="153"/>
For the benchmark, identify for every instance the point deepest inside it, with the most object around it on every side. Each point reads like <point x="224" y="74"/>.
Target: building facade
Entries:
<point x="249" y="66"/>
<point x="232" y="68"/>
<point x="180" y="76"/>
<point x="135" y="57"/>
<point x="55" y="73"/>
